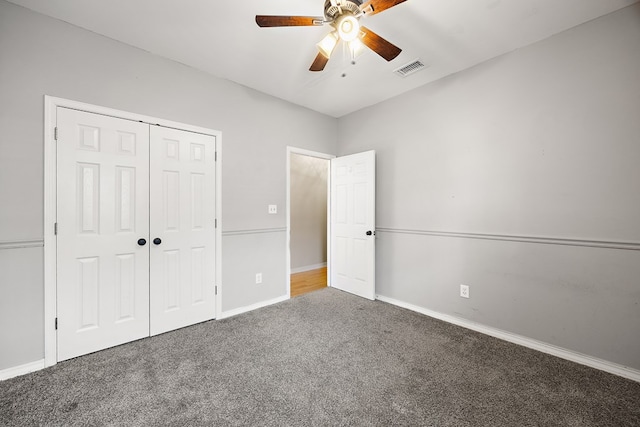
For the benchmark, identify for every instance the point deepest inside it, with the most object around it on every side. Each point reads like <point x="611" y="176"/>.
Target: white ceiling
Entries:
<point x="222" y="38"/>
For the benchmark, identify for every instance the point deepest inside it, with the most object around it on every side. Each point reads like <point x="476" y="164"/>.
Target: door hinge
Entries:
<point x="55" y="133"/>
<point x="55" y="228"/>
<point x="56" y="323"/>
<point x="216" y="290"/>
<point x="215" y="156"/>
<point x="215" y="223"/>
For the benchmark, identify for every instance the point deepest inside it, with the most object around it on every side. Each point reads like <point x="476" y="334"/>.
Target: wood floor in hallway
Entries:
<point x="308" y="281"/>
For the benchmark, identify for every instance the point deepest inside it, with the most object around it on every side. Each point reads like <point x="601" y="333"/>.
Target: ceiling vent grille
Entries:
<point x="410" y="68"/>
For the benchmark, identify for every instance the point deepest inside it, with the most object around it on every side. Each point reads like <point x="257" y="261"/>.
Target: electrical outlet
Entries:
<point x="273" y="209"/>
<point x="258" y="278"/>
<point x="464" y="291"/>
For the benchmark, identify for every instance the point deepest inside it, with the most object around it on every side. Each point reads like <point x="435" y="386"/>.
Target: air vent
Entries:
<point x="410" y="68"/>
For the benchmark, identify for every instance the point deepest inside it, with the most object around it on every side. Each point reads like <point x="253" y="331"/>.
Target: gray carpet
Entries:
<point x="322" y="359"/>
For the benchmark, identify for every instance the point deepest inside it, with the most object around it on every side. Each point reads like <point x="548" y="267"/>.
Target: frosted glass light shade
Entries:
<point x="348" y="28"/>
<point x="328" y="43"/>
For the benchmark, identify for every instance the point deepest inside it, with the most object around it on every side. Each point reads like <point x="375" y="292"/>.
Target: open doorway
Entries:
<point x="307" y="220"/>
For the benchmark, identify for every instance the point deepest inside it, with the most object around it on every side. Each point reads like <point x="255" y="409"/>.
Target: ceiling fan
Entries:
<point x="344" y="16"/>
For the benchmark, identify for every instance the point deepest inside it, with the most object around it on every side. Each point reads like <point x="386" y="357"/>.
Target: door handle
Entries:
<point x="142" y="242"/>
<point x="157" y="241"/>
<point x="370" y="233"/>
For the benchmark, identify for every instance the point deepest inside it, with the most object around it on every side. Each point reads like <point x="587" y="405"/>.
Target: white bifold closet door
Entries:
<point x="182" y="269"/>
<point x="125" y="271"/>
<point x="102" y="212"/>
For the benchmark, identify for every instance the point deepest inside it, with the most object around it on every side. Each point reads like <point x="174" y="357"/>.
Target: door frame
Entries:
<point x="50" y="198"/>
<point x="301" y="151"/>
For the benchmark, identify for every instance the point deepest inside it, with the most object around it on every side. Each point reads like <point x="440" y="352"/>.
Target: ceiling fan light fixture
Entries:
<point x="356" y="47"/>
<point x="327" y="44"/>
<point x="343" y="16"/>
<point x="348" y="27"/>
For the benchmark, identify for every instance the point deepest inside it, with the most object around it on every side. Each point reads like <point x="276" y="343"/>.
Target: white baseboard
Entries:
<point x="308" y="268"/>
<point x="583" y="359"/>
<point x="16" y="371"/>
<point x="236" y="311"/>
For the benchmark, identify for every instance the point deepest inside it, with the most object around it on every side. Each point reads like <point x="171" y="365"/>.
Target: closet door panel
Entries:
<point x="102" y="212"/>
<point x="182" y="227"/>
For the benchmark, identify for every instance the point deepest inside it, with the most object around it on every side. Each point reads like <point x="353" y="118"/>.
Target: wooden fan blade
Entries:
<point x="288" y="21"/>
<point x="319" y="63"/>
<point x="381" y="46"/>
<point x="372" y="7"/>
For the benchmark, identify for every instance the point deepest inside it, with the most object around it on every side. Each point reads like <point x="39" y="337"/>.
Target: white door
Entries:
<point x="353" y="223"/>
<point x="182" y="229"/>
<point x="102" y="213"/>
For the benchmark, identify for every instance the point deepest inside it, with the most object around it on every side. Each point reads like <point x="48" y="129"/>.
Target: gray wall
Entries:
<point x="308" y="209"/>
<point x="40" y="55"/>
<point x="542" y="143"/>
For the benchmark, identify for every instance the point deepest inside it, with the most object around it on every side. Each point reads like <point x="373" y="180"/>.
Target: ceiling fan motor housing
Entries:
<point x="333" y="9"/>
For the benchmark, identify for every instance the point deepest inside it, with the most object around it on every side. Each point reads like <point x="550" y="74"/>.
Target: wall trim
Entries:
<point x="613" y="244"/>
<point x="16" y="371"/>
<point x="22" y="244"/>
<point x="256" y="231"/>
<point x="308" y="268"/>
<point x="563" y="353"/>
<point x="245" y="309"/>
